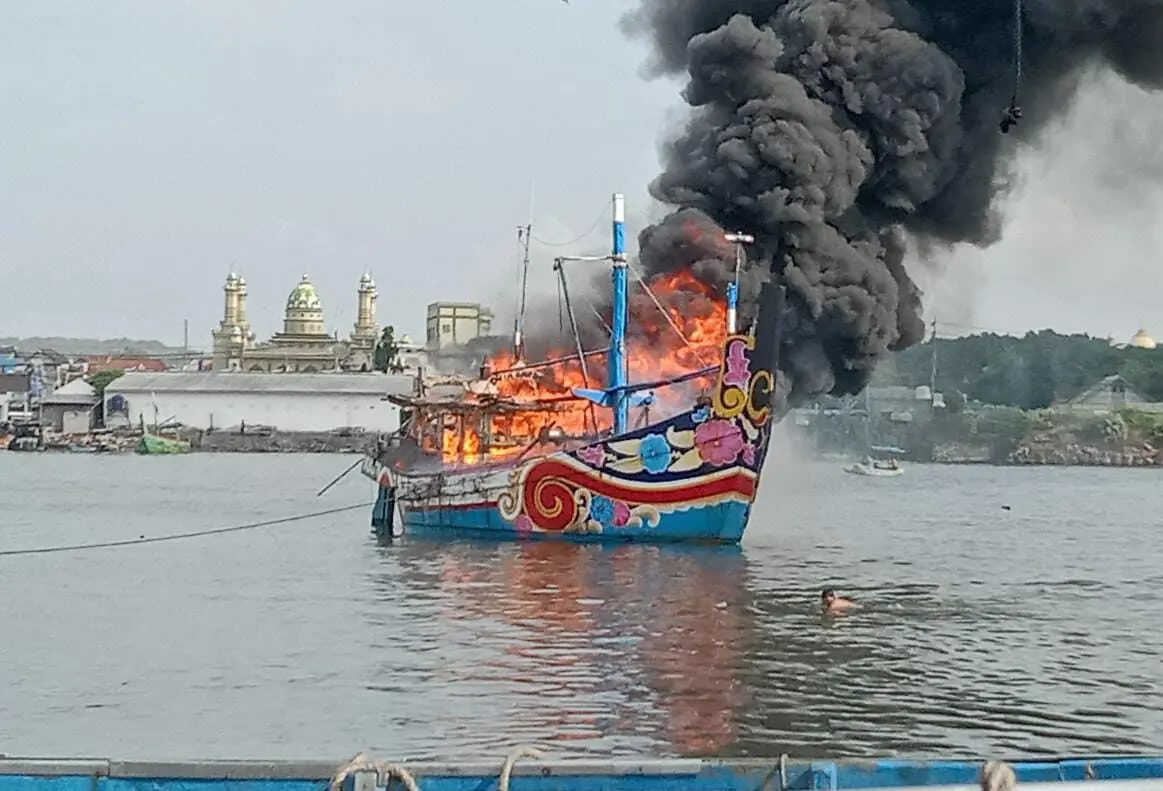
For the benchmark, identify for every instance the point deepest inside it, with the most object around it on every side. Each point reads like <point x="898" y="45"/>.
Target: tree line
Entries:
<point x="1030" y="372"/>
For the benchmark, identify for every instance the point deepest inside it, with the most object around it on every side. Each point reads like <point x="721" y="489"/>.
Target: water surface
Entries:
<point x="985" y="631"/>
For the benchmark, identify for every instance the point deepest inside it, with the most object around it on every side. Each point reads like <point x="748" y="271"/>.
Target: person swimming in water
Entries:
<point x="833" y="604"/>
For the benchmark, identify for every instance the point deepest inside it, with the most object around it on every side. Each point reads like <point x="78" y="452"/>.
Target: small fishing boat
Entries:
<point x="1114" y="773"/>
<point x="881" y="462"/>
<point x="477" y="461"/>
<point x="157" y="445"/>
<point x="875" y="469"/>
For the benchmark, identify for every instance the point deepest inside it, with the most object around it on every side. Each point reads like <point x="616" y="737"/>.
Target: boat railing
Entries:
<point x="782" y="774"/>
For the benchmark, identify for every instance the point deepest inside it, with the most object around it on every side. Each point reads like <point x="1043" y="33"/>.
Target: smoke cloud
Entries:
<point x="839" y="131"/>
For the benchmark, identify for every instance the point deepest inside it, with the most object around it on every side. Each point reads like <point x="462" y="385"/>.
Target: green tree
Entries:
<point x="101" y="379"/>
<point x="387" y="355"/>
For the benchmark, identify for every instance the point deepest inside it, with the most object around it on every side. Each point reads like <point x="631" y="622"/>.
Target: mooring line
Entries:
<point x="176" y="536"/>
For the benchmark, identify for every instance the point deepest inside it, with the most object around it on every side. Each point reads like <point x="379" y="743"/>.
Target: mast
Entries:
<point x="524" y="234"/>
<point x="619" y="375"/>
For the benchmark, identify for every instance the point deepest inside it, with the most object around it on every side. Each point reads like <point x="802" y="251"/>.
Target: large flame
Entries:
<point x="684" y="336"/>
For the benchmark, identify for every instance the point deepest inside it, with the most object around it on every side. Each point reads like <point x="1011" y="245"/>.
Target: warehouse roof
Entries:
<point x="240" y="382"/>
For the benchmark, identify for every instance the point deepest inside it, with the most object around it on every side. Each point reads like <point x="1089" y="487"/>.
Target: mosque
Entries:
<point x="304" y="345"/>
<point x="1142" y="340"/>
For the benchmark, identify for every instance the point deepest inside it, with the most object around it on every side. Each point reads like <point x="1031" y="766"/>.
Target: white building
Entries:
<point x="285" y="401"/>
<point x="457" y="323"/>
<point x="69" y="409"/>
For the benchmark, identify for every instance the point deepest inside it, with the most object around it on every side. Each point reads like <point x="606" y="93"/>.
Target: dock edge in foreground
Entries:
<point x="39" y="774"/>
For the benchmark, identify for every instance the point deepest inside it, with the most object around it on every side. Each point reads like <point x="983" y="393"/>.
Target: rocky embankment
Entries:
<point x="278" y="442"/>
<point x="1079" y="455"/>
<point x="962" y="453"/>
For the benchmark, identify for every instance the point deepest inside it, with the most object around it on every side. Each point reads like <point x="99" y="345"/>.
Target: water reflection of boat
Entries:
<point x="660" y="627"/>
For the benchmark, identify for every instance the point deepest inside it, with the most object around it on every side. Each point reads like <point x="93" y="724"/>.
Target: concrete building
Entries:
<point x="304" y="345"/>
<point x="70" y="409"/>
<point x="15" y="396"/>
<point x="285" y="401"/>
<point x="457" y="323"/>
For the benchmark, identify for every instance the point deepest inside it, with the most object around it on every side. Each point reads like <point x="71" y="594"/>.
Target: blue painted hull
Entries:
<point x="716" y="524"/>
<point x="586" y="775"/>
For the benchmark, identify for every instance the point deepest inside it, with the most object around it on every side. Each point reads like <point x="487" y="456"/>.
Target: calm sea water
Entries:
<point x="986" y="631"/>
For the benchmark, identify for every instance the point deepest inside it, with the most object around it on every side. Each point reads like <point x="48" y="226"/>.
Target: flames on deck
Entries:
<point x="549" y="417"/>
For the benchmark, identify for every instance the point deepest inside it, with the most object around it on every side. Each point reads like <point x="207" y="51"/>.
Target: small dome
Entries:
<point x="366" y="280"/>
<point x="304" y="296"/>
<point x="1142" y="340"/>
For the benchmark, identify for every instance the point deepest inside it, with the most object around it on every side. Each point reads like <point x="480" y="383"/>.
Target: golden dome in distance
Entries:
<point x="304" y="297"/>
<point x="1142" y="340"/>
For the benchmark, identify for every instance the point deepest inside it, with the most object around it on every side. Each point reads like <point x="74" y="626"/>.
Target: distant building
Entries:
<point x="97" y="363"/>
<point x="412" y="356"/>
<point x="70" y="409"/>
<point x="9" y="360"/>
<point x="1141" y="340"/>
<point x="902" y="404"/>
<point x="304" y="345"/>
<point x="457" y="323"/>
<point x="286" y="401"/>
<point x="15" y="396"/>
<point x="1108" y="395"/>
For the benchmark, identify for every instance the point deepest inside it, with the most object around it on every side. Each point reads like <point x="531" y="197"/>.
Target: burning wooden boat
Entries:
<point x="493" y="460"/>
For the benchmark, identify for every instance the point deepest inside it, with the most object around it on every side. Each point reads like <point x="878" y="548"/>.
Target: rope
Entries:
<point x="386" y="771"/>
<point x="591" y="229"/>
<point x="196" y="534"/>
<point x="511" y="760"/>
<point x="1017" y="48"/>
<point x="997" y="776"/>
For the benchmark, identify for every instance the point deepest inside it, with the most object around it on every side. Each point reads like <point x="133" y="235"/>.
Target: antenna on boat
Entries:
<point x="738" y="239"/>
<point x="524" y="235"/>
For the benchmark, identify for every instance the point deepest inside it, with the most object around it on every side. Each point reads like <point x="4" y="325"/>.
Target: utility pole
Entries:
<point x="185" y="342"/>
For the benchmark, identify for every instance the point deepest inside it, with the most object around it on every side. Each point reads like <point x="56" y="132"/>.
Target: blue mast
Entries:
<point x="619" y="374"/>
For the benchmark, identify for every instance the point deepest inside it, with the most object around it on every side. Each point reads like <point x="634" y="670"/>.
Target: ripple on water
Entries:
<point x="1031" y="631"/>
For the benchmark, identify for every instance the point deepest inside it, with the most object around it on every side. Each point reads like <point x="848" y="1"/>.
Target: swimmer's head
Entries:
<point x="828" y="596"/>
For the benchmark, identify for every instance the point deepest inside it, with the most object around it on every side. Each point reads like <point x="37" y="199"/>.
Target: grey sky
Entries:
<point x="146" y="147"/>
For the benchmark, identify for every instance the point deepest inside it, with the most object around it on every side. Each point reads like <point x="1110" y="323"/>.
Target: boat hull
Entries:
<point x="713" y="511"/>
<point x="873" y="472"/>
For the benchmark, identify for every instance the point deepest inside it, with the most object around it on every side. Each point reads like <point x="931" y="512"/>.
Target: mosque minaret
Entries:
<point x="303" y="345"/>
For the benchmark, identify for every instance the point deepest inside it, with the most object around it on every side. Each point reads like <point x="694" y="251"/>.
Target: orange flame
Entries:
<point x="654" y="349"/>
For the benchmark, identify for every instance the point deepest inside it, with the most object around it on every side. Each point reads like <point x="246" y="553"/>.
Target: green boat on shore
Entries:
<point x="154" y="445"/>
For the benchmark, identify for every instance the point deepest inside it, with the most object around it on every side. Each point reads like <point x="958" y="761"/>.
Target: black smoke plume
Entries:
<point x="838" y="130"/>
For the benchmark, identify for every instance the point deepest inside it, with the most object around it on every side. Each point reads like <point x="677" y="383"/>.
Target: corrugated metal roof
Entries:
<point x="14" y="383"/>
<point x="240" y="382"/>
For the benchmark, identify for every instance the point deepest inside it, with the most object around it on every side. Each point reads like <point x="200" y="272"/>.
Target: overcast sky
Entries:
<point x="147" y="148"/>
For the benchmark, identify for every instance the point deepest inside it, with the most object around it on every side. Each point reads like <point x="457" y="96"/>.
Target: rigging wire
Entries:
<point x="592" y="228"/>
<point x="176" y="536"/>
<point x="581" y="356"/>
<point x="665" y="313"/>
